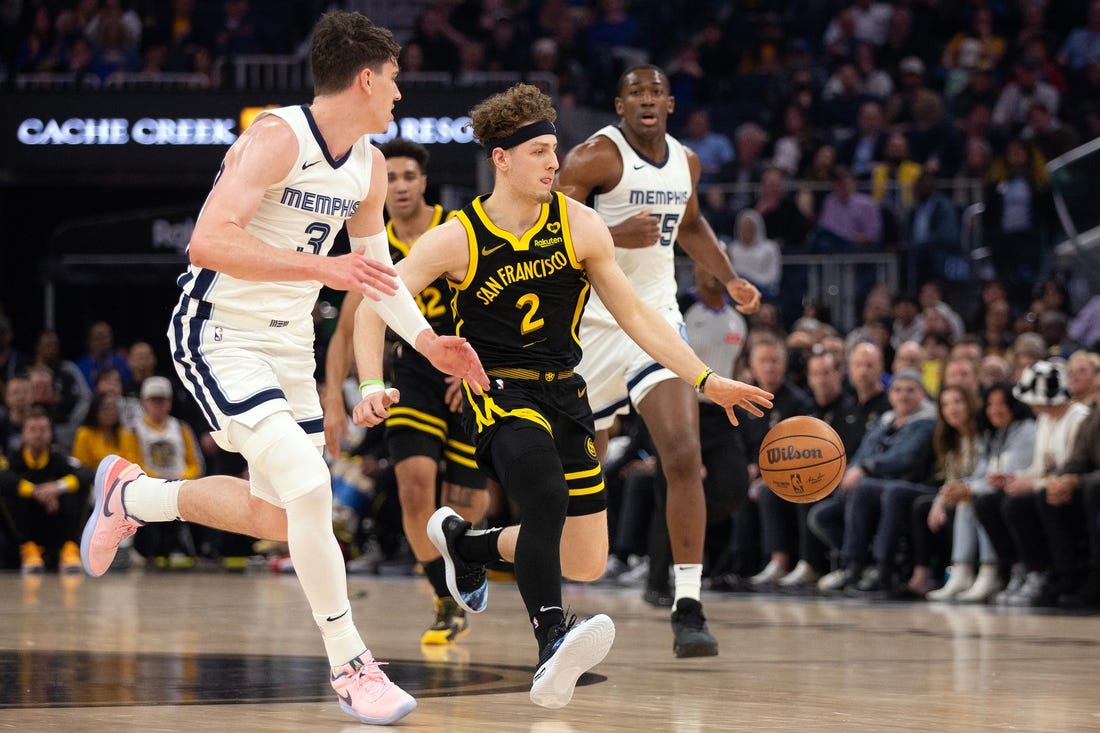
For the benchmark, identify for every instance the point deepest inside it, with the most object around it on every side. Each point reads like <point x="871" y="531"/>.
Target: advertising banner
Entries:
<point x="181" y="137"/>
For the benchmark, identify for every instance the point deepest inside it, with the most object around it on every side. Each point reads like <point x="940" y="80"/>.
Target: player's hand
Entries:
<point x="357" y="272"/>
<point x="374" y="408"/>
<point x="453" y="355"/>
<point x="336" y="428"/>
<point x="453" y="395"/>
<point x="730" y="393"/>
<point x="1018" y="486"/>
<point x="637" y="232"/>
<point x="744" y="294"/>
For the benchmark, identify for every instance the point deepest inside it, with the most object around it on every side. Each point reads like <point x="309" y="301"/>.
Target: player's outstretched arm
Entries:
<point x="700" y="242"/>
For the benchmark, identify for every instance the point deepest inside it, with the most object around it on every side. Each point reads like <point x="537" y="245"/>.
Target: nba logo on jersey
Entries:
<point x="219" y="333"/>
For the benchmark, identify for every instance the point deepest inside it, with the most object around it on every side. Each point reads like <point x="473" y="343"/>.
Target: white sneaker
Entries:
<point x="637" y="574"/>
<point x="835" y="580"/>
<point x="803" y="574"/>
<point x="771" y="573"/>
<point x="985" y="586"/>
<point x="960" y="578"/>
<point x="614" y="568"/>
<point x="577" y="648"/>
<point x="1015" y="582"/>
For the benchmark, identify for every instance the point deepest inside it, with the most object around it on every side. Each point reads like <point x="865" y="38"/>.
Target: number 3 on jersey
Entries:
<point x="320" y="232"/>
<point x="668" y="227"/>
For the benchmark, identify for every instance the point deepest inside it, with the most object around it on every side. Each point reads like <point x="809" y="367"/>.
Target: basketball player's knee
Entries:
<point x="277" y="448"/>
<point x="532" y="473"/>
<point x="584" y="567"/>
<point x="417" y="496"/>
<point x="681" y="463"/>
<point x="542" y="488"/>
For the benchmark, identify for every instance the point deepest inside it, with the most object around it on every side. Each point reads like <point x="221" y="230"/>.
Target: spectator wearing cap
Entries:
<point x="1013" y="514"/>
<point x="1047" y="132"/>
<point x="890" y="468"/>
<point x="169" y="450"/>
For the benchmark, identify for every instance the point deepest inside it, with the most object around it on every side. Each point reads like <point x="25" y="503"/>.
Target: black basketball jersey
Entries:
<point x="520" y="304"/>
<point x="432" y="300"/>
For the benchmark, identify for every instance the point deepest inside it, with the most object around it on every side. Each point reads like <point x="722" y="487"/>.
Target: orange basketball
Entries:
<point x="802" y="459"/>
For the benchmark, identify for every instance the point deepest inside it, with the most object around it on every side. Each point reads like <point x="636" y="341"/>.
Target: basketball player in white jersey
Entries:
<point x="242" y="337"/>
<point x="642" y="182"/>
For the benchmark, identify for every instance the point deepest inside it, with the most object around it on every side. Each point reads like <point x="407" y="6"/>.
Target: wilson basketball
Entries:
<point x="802" y="459"/>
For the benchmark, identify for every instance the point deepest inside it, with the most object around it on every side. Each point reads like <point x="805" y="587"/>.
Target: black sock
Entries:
<point x="544" y="623"/>
<point x="480" y="545"/>
<point x="436" y="571"/>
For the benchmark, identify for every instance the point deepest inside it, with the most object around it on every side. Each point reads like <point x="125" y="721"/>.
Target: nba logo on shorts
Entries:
<point x="219" y="333"/>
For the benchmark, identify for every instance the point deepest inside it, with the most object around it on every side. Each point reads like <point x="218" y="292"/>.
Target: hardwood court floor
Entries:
<point x="197" y="651"/>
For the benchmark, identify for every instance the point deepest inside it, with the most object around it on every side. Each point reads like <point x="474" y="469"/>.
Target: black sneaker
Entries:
<point x="450" y="623"/>
<point x="659" y="597"/>
<point x="690" y="635"/>
<point x="466" y="580"/>
<point x="573" y="649"/>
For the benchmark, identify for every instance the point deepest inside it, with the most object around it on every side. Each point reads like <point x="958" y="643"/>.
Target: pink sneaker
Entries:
<point x="109" y="523"/>
<point x="366" y="693"/>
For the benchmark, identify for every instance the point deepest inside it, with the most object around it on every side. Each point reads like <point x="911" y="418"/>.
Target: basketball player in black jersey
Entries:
<point x="522" y="260"/>
<point x="423" y="430"/>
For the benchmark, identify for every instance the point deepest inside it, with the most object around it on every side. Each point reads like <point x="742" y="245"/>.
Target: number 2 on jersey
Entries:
<point x="530" y="303"/>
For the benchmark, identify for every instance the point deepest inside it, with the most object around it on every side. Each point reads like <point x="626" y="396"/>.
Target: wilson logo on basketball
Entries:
<point x="790" y="453"/>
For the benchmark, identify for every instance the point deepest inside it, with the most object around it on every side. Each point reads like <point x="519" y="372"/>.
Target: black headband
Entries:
<point x="522" y="135"/>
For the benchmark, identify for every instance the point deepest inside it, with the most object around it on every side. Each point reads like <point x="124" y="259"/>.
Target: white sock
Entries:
<point x="152" y="499"/>
<point x="688" y="580"/>
<point x="342" y="640"/>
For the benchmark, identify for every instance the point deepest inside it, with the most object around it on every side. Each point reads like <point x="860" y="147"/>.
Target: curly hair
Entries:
<point x="343" y="45"/>
<point x="502" y="114"/>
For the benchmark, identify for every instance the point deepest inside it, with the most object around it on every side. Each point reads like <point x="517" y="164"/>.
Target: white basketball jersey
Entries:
<point x="664" y="188"/>
<point x="163" y="450"/>
<point x="302" y="212"/>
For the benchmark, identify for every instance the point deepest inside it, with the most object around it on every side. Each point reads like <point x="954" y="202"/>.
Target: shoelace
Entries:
<point x="370" y="673"/>
<point x="557" y="635"/>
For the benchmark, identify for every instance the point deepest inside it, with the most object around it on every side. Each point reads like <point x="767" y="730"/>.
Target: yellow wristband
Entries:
<point x="702" y="380"/>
